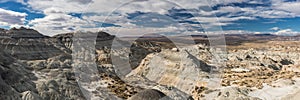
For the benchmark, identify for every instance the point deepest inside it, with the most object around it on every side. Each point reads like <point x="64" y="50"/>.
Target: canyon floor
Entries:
<point x="100" y="66"/>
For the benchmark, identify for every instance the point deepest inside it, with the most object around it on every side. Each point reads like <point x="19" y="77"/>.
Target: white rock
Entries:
<point x="175" y="49"/>
<point x="239" y="70"/>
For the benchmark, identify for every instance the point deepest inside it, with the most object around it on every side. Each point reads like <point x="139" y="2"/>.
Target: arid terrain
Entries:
<point x="85" y="65"/>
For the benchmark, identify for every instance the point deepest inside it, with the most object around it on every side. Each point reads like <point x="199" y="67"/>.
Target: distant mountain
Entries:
<point x="21" y="33"/>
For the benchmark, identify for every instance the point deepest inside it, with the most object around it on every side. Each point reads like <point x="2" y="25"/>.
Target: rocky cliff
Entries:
<point x="15" y="78"/>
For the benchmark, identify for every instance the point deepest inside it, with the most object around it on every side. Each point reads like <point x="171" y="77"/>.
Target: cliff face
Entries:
<point x="183" y="68"/>
<point x="15" y="78"/>
<point x="23" y="33"/>
<point x="30" y="49"/>
<point x="36" y="67"/>
<point x="102" y="39"/>
<point x="28" y="44"/>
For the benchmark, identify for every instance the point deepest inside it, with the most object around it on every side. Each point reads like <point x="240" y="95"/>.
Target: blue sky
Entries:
<point x="50" y="17"/>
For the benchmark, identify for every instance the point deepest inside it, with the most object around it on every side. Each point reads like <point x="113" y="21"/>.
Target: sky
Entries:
<point x="132" y="17"/>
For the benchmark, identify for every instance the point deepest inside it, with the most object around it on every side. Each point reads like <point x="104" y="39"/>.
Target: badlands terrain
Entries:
<point x="97" y="66"/>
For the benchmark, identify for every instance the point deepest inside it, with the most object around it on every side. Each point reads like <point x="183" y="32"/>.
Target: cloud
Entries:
<point x="292" y="7"/>
<point x="53" y="10"/>
<point x="102" y="6"/>
<point x="263" y="12"/>
<point x="286" y="32"/>
<point x="96" y="11"/>
<point x="208" y="22"/>
<point x="81" y="1"/>
<point x="136" y="31"/>
<point x="275" y="29"/>
<point x="230" y="9"/>
<point x="237" y="32"/>
<point x="66" y="5"/>
<point x="55" y="23"/>
<point x="8" y="17"/>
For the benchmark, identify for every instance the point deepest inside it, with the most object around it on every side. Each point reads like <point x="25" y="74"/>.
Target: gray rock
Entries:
<point x="28" y="95"/>
<point x="149" y="94"/>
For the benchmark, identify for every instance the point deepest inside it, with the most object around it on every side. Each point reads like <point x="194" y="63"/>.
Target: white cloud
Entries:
<point x="57" y="23"/>
<point x="237" y="32"/>
<point x="65" y="5"/>
<point x="136" y="31"/>
<point x="8" y="17"/>
<point x="263" y="12"/>
<point x="229" y="1"/>
<point x="53" y="10"/>
<point x="230" y="9"/>
<point x="213" y="22"/>
<point x="275" y="29"/>
<point x="82" y="1"/>
<point x="56" y="12"/>
<point x="103" y="6"/>
<point x="292" y="7"/>
<point x="287" y="32"/>
<point x="274" y="14"/>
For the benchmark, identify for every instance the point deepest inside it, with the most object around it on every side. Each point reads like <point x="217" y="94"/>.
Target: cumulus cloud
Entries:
<point x="8" y="17"/>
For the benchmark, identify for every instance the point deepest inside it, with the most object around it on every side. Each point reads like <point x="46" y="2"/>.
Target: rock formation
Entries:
<point x="79" y="66"/>
<point x="15" y="78"/>
<point x="23" y="33"/>
<point x="149" y="94"/>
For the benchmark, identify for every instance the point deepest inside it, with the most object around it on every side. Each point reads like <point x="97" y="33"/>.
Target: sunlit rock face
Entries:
<point x="183" y="68"/>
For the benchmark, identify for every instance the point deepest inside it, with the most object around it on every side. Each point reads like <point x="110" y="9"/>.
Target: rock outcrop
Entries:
<point x="28" y="44"/>
<point x="230" y="93"/>
<point x="149" y="94"/>
<point x="15" y="78"/>
<point x="23" y="33"/>
<point x="260" y="65"/>
<point x="183" y="68"/>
